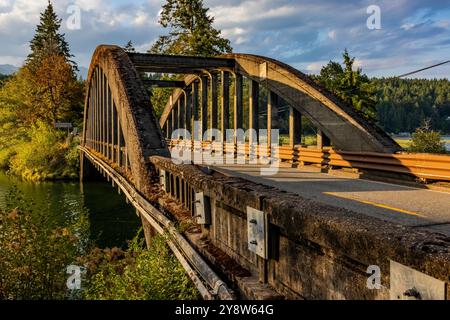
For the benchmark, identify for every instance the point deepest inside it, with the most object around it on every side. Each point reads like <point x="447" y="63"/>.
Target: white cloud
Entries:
<point x="407" y="26"/>
<point x="300" y="32"/>
<point x="315" y="67"/>
<point x="332" y="34"/>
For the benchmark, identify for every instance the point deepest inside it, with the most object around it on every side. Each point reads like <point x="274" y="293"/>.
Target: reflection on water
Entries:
<point x="112" y="220"/>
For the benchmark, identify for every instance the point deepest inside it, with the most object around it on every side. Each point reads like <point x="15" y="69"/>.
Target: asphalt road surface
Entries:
<point x="418" y="208"/>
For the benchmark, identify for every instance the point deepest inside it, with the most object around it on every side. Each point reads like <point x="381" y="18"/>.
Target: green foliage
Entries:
<point x="353" y="87"/>
<point x="47" y="41"/>
<point x="404" y="104"/>
<point x="35" y="250"/>
<point x="41" y="93"/>
<point x="137" y="274"/>
<point x="45" y="156"/>
<point x="425" y="140"/>
<point x="191" y="30"/>
<point x="129" y="47"/>
<point x="3" y="79"/>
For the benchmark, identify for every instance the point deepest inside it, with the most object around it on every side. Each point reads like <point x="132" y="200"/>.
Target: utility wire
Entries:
<point x="423" y="69"/>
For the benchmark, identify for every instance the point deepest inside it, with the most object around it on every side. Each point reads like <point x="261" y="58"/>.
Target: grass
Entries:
<point x="406" y="144"/>
<point x="309" y="140"/>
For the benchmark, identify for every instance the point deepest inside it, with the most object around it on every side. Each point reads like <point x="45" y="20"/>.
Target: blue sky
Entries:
<point x="303" y="33"/>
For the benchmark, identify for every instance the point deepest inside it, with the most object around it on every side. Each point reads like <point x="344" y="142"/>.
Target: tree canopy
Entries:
<point x="404" y="104"/>
<point x="129" y="47"/>
<point x="44" y="91"/>
<point x="191" y="30"/>
<point x="47" y="40"/>
<point x="352" y="86"/>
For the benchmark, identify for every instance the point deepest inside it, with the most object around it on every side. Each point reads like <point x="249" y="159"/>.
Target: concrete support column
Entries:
<point x="238" y="105"/>
<point x="108" y="121"/>
<point x="254" y="110"/>
<point x="188" y="111"/>
<point x="182" y="112"/>
<point x="104" y="117"/>
<point x="179" y="115"/>
<point x="295" y="127"/>
<point x="322" y="140"/>
<point x="89" y="124"/>
<point x="204" y="89"/>
<point x="174" y="118"/>
<point x="119" y="138"/>
<point x="214" y="102"/>
<point x="195" y="108"/>
<point x="100" y="102"/>
<point x="169" y="127"/>
<point x="113" y="131"/>
<point x="95" y="115"/>
<point x="272" y="115"/>
<point x="225" y="112"/>
<point x="195" y="100"/>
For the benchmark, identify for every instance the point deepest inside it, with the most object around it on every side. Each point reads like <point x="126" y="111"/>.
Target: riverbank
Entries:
<point x="80" y="224"/>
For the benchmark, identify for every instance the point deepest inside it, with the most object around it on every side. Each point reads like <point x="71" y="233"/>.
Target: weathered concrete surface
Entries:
<point x="317" y="251"/>
<point x="142" y="134"/>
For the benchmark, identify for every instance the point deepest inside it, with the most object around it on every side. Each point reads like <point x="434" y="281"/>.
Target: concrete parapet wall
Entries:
<point x="316" y="251"/>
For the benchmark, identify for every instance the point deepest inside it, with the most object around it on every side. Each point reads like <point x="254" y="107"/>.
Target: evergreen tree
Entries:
<point x="191" y="30"/>
<point x="129" y="47"/>
<point x="353" y="87"/>
<point x="47" y="40"/>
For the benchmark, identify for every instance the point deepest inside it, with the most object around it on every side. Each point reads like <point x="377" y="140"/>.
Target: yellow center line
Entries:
<point x="375" y="204"/>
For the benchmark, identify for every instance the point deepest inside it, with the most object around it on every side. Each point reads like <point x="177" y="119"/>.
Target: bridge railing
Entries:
<point x="425" y="166"/>
<point x="308" y="250"/>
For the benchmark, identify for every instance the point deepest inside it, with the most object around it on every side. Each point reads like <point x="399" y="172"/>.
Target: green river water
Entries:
<point x="111" y="220"/>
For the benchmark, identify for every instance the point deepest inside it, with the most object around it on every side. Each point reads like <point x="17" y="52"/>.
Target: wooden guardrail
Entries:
<point x="426" y="166"/>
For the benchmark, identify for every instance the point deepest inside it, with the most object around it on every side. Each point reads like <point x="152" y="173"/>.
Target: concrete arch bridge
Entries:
<point x="301" y="234"/>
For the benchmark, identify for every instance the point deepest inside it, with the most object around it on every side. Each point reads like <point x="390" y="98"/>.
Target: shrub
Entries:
<point x="45" y="157"/>
<point x="137" y="274"/>
<point x="35" y="250"/>
<point x="425" y="140"/>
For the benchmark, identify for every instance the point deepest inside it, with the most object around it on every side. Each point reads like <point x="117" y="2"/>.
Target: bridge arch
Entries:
<point x="347" y="129"/>
<point x="119" y="122"/>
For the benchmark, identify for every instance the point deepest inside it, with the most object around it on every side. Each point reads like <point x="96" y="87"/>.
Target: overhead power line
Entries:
<point x="423" y="69"/>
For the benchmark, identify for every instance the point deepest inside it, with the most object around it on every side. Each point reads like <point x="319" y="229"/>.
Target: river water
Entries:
<point x="111" y="220"/>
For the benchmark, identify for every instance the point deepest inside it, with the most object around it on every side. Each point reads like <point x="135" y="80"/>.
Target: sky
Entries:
<point x="305" y="34"/>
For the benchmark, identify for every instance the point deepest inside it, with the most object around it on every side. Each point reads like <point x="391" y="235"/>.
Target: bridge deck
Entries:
<point x="418" y="208"/>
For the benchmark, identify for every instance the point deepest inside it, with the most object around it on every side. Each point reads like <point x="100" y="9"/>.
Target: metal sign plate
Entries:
<point x="257" y="232"/>
<point x="162" y="180"/>
<point x="202" y="209"/>
<point x="63" y="125"/>
<point x="409" y="284"/>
